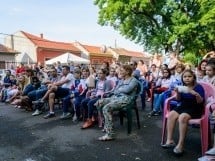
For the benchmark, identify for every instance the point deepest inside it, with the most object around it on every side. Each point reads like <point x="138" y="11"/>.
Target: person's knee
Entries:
<point x="172" y="115"/>
<point x="106" y="109"/>
<point x="91" y="103"/>
<point x="183" y="118"/>
<point x="53" y="88"/>
<point x="51" y="95"/>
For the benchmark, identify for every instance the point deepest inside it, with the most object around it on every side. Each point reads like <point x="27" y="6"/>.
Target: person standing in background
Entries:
<point x="173" y="61"/>
<point x="156" y="60"/>
<point x="142" y="68"/>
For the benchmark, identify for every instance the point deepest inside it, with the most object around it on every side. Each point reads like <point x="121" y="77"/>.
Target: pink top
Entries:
<point x="100" y="88"/>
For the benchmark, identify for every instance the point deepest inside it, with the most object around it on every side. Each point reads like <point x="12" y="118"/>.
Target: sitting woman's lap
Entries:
<point x="115" y="103"/>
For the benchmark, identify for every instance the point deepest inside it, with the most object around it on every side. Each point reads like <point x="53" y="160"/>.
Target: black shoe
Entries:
<point x="178" y="152"/>
<point x="168" y="146"/>
<point x="157" y="113"/>
<point x="49" y="115"/>
<point x="151" y="113"/>
<point x="154" y="113"/>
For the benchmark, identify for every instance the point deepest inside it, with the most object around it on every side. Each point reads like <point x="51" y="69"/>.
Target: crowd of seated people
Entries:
<point x="88" y="93"/>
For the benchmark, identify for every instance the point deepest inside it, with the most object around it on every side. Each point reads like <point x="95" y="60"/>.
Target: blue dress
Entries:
<point x="189" y="104"/>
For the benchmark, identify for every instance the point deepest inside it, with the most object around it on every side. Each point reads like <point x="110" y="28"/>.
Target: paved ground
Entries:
<point x="27" y="138"/>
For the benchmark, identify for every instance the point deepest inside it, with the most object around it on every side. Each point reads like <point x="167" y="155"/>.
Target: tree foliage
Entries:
<point x="173" y="25"/>
<point x="190" y="58"/>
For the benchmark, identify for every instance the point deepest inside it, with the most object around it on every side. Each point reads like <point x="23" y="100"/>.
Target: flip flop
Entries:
<point x="105" y="138"/>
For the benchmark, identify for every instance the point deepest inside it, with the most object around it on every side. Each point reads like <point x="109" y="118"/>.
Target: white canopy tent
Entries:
<point x="67" y="58"/>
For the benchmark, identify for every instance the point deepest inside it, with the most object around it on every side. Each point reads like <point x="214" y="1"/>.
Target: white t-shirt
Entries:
<point x="209" y="80"/>
<point x="68" y="84"/>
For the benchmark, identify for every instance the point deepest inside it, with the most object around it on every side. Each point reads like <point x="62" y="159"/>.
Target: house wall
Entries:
<point x="6" y="60"/>
<point x="23" y="45"/>
<point x="7" y="57"/>
<point x="97" y="60"/>
<point x="46" y="54"/>
<point x="145" y="60"/>
<point x="124" y="59"/>
<point x="84" y="53"/>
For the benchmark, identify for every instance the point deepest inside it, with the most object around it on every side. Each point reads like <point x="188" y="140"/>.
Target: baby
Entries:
<point x="200" y="75"/>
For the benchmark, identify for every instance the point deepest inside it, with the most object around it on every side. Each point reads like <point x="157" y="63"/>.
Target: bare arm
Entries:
<point x="199" y="99"/>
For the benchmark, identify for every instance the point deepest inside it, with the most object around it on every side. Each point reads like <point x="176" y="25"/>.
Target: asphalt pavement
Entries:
<point x="27" y="138"/>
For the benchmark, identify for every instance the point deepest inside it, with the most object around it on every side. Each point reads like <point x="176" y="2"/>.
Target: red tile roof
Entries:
<point x="44" y="43"/>
<point x="4" y="49"/>
<point x="95" y="49"/>
<point x="122" y="51"/>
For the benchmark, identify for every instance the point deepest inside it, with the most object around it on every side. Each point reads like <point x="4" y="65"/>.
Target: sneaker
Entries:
<point x="154" y="113"/>
<point x="210" y="152"/>
<point x="74" y="118"/>
<point x="148" y="100"/>
<point x="36" y="113"/>
<point x="151" y="113"/>
<point x="65" y="115"/>
<point x="49" y="115"/>
<point x="7" y="100"/>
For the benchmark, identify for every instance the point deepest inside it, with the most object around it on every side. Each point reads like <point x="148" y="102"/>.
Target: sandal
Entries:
<point x="105" y="138"/>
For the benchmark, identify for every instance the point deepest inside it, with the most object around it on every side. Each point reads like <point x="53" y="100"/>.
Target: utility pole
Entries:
<point x="115" y="44"/>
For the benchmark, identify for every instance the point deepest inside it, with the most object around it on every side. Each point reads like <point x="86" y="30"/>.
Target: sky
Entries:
<point x="65" y="20"/>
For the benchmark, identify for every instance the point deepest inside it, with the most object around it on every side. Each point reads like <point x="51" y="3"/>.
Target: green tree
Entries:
<point x="190" y="58"/>
<point x="173" y="25"/>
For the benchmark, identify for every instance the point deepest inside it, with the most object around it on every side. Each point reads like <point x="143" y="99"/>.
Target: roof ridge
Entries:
<point x="41" y="42"/>
<point x="42" y="39"/>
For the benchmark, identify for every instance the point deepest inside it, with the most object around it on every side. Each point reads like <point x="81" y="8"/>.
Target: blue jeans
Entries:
<point x="76" y="103"/>
<point x="37" y="94"/>
<point x="143" y="99"/>
<point x="28" y="89"/>
<point x="158" y="98"/>
<point x="66" y="103"/>
<point x="88" y="104"/>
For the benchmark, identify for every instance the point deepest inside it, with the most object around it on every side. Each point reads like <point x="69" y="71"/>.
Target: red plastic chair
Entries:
<point x="203" y="121"/>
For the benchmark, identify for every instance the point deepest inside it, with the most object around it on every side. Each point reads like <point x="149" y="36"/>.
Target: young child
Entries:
<point x="76" y="96"/>
<point x="191" y="106"/>
<point x="200" y="75"/>
<point x="210" y="74"/>
<point x="210" y="78"/>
